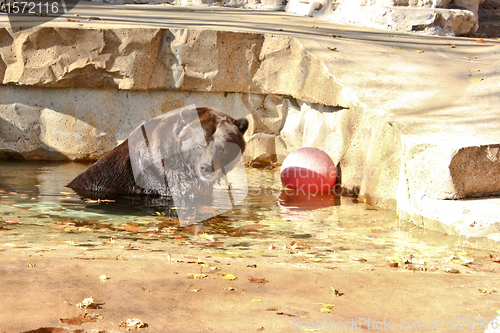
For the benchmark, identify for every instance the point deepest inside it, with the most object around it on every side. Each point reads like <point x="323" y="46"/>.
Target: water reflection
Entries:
<point x="298" y="200"/>
<point x="38" y="213"/>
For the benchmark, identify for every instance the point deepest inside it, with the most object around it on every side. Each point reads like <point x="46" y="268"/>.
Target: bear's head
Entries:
<point x="211" y="142"/>
<point x="187" y="151"/>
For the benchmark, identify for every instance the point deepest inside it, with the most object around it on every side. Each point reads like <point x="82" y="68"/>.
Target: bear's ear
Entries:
<point x="242" y="124"/>
<point x="189" y="115"/>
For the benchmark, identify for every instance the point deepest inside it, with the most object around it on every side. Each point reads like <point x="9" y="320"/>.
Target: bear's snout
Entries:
<point x="206" y="169"/>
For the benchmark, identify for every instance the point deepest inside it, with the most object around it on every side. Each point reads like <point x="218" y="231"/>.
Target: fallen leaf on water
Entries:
<point x="207" y="237"/>
<point x="228" y="276"/>
<point x="13" y="222"/>
<point x="78" y="320"/>
<point x="197" y="276"/>
<point x="257" y="280"/>
<point x="130" y="227"/>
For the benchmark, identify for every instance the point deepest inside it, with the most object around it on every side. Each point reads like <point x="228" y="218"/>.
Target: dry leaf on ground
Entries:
<point x="257" y="280"/>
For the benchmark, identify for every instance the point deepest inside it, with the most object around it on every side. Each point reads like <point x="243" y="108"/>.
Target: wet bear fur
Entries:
<point x="196" y="161"/>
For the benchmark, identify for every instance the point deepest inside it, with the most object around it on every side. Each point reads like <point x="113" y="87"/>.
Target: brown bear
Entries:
<point x="180" y="153"/>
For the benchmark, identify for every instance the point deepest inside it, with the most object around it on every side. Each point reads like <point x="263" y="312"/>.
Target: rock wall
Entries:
<point x="74" y="94"/>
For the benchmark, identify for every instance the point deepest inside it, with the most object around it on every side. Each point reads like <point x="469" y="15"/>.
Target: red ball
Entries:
<point x="308" y="169"/>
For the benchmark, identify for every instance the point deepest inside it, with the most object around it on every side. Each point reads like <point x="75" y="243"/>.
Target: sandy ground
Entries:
<point x="38" y="290"/>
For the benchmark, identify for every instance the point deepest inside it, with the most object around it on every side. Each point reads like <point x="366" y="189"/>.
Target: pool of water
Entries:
<point x="39" y="215"/>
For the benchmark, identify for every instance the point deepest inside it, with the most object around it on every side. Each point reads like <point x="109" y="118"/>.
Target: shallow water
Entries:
<point x="38" y="215"/>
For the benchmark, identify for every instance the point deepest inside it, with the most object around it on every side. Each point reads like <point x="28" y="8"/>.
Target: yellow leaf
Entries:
<point x="397" y="47"/>
<point x="328" y="306"/>
<point x="419" y="51"/>
<point x="325" y="310"/>
<point x="461" y="253"/>
<point x="256" y="300"/>
<point x="309" y="329"/>
<point x="316" y="259"/>
<point x="477" y="79"/>
<point x="228" y="276"/>
<point x="209" y="237"/>
<point x="378" y="53"/>
<point x="395" y="259"/>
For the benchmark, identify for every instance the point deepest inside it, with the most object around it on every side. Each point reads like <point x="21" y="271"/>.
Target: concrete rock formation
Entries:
<point x="430" y="17"/>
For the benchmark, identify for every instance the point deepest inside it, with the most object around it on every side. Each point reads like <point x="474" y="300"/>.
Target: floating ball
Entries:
<point x="308" y="170"/>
